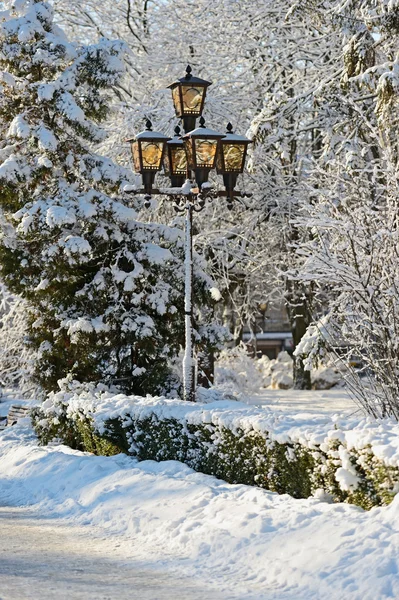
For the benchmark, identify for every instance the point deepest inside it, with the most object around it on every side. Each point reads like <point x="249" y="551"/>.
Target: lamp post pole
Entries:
<point x="188" y="360"/>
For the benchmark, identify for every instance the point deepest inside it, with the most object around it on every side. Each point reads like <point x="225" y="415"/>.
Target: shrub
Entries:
<point x="228" y="440"/>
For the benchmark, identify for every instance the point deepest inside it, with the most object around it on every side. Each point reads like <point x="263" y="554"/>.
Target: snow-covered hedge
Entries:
<point x="346" y="460"/>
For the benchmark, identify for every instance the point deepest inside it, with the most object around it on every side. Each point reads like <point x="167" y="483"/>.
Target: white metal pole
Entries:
<point x="188" y="361"/>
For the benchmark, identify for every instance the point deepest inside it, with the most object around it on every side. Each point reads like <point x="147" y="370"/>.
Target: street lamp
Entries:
<point x="230" y="161"/>
<point x="188" y="94"/>
<point x="201" y="147"/>
<point x="148" y="148"/>
<point x="175" y="160"/>
<point x="199" y="151"/>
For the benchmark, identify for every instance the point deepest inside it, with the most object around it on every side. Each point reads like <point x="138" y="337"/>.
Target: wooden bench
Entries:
<point x="17" y="412"/>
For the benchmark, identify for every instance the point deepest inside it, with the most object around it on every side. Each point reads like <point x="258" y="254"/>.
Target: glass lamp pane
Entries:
<point x="136" y="157"/>
<point x="233" y="157"/>
<point x="179" y="161"/>
<point x="152" y="155"/>
<point x="205" y="151"/>
<point x="192" y="99"/>
<point x="176" y="100"/>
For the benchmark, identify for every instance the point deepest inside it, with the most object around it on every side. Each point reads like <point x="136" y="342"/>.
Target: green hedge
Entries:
<point x="247" y="457"/>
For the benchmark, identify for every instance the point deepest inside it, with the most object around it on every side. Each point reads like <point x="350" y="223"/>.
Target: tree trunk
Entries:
<point x="297" y="304"/>
<point x="206" y="368"/>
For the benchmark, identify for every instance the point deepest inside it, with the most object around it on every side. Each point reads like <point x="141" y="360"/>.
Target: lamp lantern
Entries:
<point x="175" y="160"/>
<point x="148" y="149"/>
<point x="231" y="157"/>
<point x="201" y="146"/>
<point x="188" y="94"/>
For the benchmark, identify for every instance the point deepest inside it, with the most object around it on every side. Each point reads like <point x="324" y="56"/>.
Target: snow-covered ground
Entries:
<point x="46" y="558"/>
<point x="243" y="541"/>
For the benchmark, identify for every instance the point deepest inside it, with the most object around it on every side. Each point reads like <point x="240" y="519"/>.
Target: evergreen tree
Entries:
<point x="105" y="289"/>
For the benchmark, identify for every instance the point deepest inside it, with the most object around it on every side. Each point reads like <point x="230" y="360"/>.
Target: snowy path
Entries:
<point x="322" y="402"/>
<point x="44" y="559"/>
